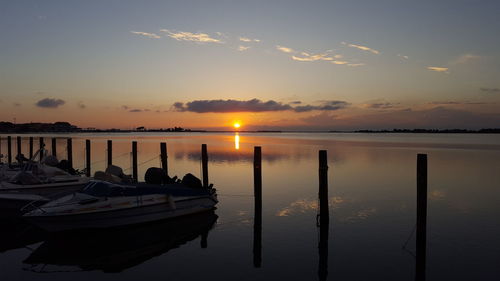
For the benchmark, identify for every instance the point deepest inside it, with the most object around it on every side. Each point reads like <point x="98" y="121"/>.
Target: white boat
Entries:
<point x="103" y="204"/>
<point x="35" y="181"/>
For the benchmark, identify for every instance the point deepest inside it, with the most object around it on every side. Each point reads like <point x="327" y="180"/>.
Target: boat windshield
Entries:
<point x="103" y="189"/>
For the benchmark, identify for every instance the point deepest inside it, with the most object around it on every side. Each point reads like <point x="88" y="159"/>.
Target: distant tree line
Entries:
<point x="435" y="131"/>
<point x="58" y="127"/>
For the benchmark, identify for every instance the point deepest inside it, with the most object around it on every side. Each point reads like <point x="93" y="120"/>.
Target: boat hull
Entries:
<point x="123" y="217"/>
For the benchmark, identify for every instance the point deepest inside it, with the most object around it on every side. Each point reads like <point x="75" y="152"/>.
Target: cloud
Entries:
<point x="284" y="49"/>
<point x="16" y="104"/>
<point x="325" y="106"/>
<point x="135" y="110"/>
<point x="403" y="57"/>
<point x="456" y="102"/>
<point x="379" y="105"/>
<point x="125" y="107"/>
<point x="222" y="106"/>
<point x="243" y="48"/>
<point x="355" y="64"/>
<point x="466" y="58"/>
<point x="81" y="105"/>
<point x="253" y="105"/>
<point x="149" y="35"/>
<point x="490" y="90"/>
<point x="295" y="102"/>
<point x="312" y="57"/>
<point x="340" y="62"/>
<point x="438" y="69"/>
<point x="189" y="36"/>
<point x="246" y="39"/>
<point x="50" y="103"/>
<point x="363" y="48"/>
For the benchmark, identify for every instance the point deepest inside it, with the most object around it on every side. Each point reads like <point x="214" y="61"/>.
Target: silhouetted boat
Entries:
<point x="103" y="204"/>
<point x="114" y="250"/>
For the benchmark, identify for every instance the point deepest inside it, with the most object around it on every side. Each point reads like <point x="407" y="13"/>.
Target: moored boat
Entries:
<point x="104" y="204"/>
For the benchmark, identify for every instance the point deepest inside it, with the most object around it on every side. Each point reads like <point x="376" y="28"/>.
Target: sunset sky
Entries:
<point x="290" y="65"/>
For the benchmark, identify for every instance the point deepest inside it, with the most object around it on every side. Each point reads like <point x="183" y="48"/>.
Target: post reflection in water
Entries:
<point x="236" y="141"/>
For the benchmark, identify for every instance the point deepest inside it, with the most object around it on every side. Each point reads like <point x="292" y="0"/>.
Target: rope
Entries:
<point x="408" y="240"/>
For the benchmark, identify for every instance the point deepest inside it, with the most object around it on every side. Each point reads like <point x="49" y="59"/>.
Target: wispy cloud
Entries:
<point x="355" y="64"/>
<point x="189" y="36"/>
<point x="285" y="49"/>
<point x="248" y="40"/>
<point x="312" y="57"/>
<point x="456" y="103"/>
<point x="340" y="62"/>
<point x="490" y="90"/>
<point x="403" y="57"/>
<point x="466" y="58"/>
<point x="361" y="47"/>
<point x="243" y="48"/>
<point x="253" y="105"/>
<point x="438" y="69"/>
<point x="50" y="103"/>
<point x="81" y="105"/>
<point x="147" y="34"/>
<point x="379" y="105"/>
<point x="325" y="106"/>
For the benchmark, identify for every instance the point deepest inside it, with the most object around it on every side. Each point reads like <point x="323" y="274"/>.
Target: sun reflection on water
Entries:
<point x="236" y="141"/>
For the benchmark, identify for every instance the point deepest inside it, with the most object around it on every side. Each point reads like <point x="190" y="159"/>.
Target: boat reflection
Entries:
<point x="118" y="249"/>
<point x="17" y="234"/>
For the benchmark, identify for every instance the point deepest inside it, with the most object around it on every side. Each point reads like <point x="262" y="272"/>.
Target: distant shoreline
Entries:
<point x="66" y="127"/>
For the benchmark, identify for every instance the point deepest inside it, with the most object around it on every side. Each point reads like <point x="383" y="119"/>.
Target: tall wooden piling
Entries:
<point x="164" y="157"/>
<point x="421" y="216"/>
<point x="42" y="145"/>
<point x="19" y="150"/>
<point x="323" y="187"/>
<point x="257" y="223"/>
<point x="324" y="216"/>
<point x="134" y="161"/>
<point x="204" y="164"/>
<point x="54" y="147"/>
<point x="31" y="147"/>
<point x="87" y="158"/>
<point x="110" y="153"/>
<point x="9" y="150"/>
<point x="69" y="147"/>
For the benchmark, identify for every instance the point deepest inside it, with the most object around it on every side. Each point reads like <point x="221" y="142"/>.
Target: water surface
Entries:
<point x="372" y="189"/>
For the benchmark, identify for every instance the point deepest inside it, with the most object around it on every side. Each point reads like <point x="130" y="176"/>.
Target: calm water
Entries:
<point x="372" y="190"/>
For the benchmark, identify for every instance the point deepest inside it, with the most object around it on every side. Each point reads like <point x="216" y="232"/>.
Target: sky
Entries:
<point x="277" y="65"/>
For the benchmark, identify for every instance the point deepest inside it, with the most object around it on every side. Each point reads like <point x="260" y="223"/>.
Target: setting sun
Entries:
<point x="236" y="125"/>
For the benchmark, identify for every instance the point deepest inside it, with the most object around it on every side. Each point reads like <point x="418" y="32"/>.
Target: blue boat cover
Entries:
<point x="107" y="189"/>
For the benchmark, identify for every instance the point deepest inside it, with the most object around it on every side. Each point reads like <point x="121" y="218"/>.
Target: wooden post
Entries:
<point x="421" y="215"/>
<point x="110" y="153"/>
<point x="164" y="157"/>
<point x="54" y="147"/>
<point x="42" y="145"/>
<point x="134" y="161"/>
<point x="323" y="188"/>
<point x="324" y="216"/>
<point x="31" y="147"/>
<point x="204" y="164"/>
<point x="257" y="222"/>
<point x="69" y="146"/>
<point x="9" y="150"/>
<point x="87" y="158"/>
<point x="19" y="150"/>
